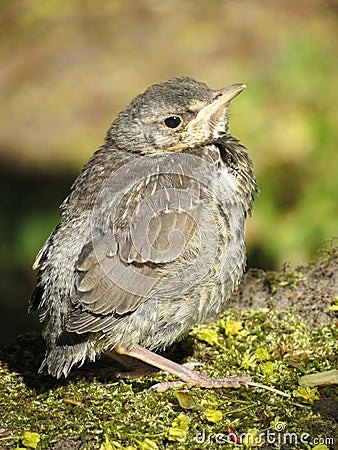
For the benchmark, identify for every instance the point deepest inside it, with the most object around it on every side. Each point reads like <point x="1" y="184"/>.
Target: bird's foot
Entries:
<point x="185" y="374"/>
<point x="204" y="381"/>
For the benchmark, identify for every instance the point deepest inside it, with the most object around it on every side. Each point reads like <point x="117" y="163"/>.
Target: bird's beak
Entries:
<point x="221" y="98"/>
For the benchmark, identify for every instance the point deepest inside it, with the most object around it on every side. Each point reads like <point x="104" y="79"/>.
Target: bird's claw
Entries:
<point x="203" y="381"/>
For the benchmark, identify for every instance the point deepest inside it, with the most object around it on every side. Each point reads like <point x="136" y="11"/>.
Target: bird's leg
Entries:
<point x="136" y="368"/>
<point x="186" y="375"/>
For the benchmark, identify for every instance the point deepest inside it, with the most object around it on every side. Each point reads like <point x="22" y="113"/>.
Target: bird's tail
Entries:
<point x="60" y="359"/>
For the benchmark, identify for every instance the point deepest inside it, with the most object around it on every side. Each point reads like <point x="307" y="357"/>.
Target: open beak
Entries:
<point x="221" y="98"/>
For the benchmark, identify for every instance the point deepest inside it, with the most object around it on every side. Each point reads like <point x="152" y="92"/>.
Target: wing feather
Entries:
<point x="120" y="268"/>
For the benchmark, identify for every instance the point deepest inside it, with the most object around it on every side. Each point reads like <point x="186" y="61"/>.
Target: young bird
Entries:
<point x="151" y="238"/>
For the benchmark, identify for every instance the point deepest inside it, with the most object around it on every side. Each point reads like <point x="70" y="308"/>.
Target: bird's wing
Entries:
<point x="132" y="240"/>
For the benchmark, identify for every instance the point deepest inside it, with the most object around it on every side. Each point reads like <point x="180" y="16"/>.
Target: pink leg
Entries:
<point x="135" y="367"/>
<point x="186" y="375"/>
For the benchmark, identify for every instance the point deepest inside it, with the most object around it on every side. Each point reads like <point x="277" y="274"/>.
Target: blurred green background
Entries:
<point x="68" y="66"/>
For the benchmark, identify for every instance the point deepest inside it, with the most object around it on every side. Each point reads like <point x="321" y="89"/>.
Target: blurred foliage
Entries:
<point x="68" y="66"/>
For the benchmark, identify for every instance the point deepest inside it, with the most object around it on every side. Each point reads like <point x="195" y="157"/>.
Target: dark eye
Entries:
<point x="173" y="121"/>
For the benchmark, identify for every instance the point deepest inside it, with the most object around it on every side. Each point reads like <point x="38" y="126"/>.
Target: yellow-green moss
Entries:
<point x="91" y="410"/>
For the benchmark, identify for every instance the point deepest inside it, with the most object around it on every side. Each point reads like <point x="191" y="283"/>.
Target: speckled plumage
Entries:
<point x="84" y="311"/>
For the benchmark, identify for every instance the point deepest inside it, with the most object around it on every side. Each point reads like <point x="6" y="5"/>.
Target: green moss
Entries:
<point x="278" y="280"/>
<point x="89" y="410"/>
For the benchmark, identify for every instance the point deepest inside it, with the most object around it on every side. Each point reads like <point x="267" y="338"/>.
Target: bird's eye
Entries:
<point x="173" y="121"/>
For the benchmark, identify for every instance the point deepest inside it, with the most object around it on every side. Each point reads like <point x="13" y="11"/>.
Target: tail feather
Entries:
<point x="60" y="360"/>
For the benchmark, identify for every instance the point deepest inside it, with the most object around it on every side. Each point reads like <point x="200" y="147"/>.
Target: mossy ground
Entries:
<point x="94" y="410"/>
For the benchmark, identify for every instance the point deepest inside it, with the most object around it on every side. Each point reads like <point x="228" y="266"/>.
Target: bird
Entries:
<point x="151" y="240"/>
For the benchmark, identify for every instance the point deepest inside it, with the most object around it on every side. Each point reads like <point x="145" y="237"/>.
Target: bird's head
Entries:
<point x="171" y="116"/>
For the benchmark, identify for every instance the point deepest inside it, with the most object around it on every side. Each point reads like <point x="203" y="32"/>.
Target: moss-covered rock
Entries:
<point x="93" y="409"/>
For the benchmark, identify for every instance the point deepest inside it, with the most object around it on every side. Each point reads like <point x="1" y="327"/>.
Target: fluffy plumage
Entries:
<point x="103" y="287"/>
